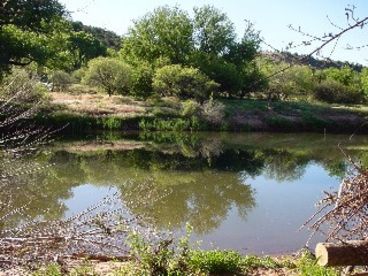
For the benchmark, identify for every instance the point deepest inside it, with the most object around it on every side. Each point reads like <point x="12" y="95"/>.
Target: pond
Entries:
<point x="249" y="192"/>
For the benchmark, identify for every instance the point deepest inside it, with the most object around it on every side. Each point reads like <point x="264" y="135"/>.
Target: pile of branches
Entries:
<point x="99" y="232"/>
<point x="343" y="215"/>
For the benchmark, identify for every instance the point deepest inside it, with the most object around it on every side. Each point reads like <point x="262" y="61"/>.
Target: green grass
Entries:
<point x="166" y="115"/>
<point x="307" y="266"/>
<point x="212" y="262"/>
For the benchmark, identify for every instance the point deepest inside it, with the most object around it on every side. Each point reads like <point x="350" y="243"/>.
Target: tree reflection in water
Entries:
<point x="195" y="178"/>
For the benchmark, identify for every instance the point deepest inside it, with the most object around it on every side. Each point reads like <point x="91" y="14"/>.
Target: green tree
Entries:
<point x="85" y="47"/>
<point x="24" y="26"/>
<point x="70" y="50"/>
<point x="107" y="38"/>
<point x="142" y="75"/>
<point x="221" y="56"/>
<point x="60" y="80"/>
<point x="214" y="32"/>
<point x="221" y="71"/>
<point x="345" y="75"/>
<point x="364" y="81"/>
<point x="183" y="82"/>
<point x="166" y="32"/>
<point x="110" y="74"/>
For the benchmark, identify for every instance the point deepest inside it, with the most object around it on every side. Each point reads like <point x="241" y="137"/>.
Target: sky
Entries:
<point x="271" y="17"/>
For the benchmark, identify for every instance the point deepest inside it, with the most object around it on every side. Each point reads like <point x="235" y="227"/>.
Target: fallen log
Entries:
<point x="343" y="254"/>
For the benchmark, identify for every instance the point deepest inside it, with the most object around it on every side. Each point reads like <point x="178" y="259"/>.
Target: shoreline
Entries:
<point x="81" y="123"/>
<point x="78" y="113"/>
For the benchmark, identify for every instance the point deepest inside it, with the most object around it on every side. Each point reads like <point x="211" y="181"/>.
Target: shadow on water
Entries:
<point x="234" y="188"/>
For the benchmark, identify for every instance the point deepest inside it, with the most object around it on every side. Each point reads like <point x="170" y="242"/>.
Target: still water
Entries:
<point x="247" y="192"/>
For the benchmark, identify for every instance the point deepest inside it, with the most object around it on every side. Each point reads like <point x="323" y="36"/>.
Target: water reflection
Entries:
<point x="214" y="181"/>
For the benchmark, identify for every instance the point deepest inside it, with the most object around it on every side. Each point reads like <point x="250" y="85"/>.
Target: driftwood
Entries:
<point x="344" y="254"/>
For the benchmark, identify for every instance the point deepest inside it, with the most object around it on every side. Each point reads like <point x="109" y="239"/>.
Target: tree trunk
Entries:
<point x="349" y="253"/>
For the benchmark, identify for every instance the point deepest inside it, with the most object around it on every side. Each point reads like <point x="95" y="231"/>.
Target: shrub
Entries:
<point x="183" y="82"/>
<point x="344" y="75"/>
<point x="213" y="111"/>
<point x="109" y="74"/>
<point x="61" y="80"/>
<point x="142" y="75"/>
<point x="27" y="88"/>
<point x="334" y="92"/>
<point x="216" y="261"/>
<point x="222" y="72"/>
<point x="78" y="75"/>
<point x="364" y="81"/>
<point x="190" y="108"/>
<point x="173" y="124"/>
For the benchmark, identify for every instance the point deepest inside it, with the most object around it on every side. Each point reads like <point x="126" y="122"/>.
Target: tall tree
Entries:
<point x="164" y="33"/>
<point x="214" y="32"/>
<point x="24" y="25"/>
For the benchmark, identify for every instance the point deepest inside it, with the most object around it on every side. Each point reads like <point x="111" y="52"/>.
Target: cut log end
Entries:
<point x="321" y="254"/>
<point x="350" y="253"/>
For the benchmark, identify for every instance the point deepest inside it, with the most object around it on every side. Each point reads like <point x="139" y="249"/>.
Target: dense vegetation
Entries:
<point x="171" y="71"/>
<point x="166" y="53"/>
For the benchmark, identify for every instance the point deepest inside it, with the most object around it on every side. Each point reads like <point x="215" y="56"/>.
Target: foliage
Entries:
<point x="166" y="32"/>
<point x="109" y="74"/>
<point x="24" y="87"/>
<point x="335" y="92"/>
<point x="232" y="67"/>
<point x="190" y="108"/>
<point x="49" y="270"/>
<point x="213" y="111"/>
<point x="295" y="82"/>
<point x="246" y="49"/>
<point x="69" y="50"/>
<point x="216" y="261"/>
<point x="163" y="258"/>
<point x="214" y="33"/>
<point x="364" y="81"/>
<point x="307" y="265"/>
<point x="142" y="75"/>
<point x="61" y="80"/>
<point x="345" y="75"/>
<point x="207" y="42"/>
<point x="174" y="124"/>
<point x="183" y="82"/>
<point x="83" y="47"/>
<point x="225" y="74"/>
<point x="78" y="75"/>
<point x="38" y="31"/>
<point x="107" y="38"/>
<point x="24" y="26"/>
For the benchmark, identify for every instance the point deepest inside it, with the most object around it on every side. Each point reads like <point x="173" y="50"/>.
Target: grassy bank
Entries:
<point x="198" y="263"/>
<point x="84" y="112"/>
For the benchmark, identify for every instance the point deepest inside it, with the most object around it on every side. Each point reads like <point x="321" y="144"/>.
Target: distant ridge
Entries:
<point x="106" y="37"/>
<point x="310" y="61"/>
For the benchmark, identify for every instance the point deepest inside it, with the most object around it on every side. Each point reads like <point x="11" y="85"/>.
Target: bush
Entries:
<point x="296" y="82"/>
<point x="345" y="75"/>
<point x="109" y="74"/>
<point x="183" y="82"/>
<point x="24" y="87"/>
<point x="78" y="75"/>
<point x="334" y="92"/>
<point x="190" y="108"/>
<point x="222" y="72"/>
<point x="216" y="261"/>
<point x="213" y="112"/>
<point x="142" y="80"/>
<point x="61" y="80"/>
